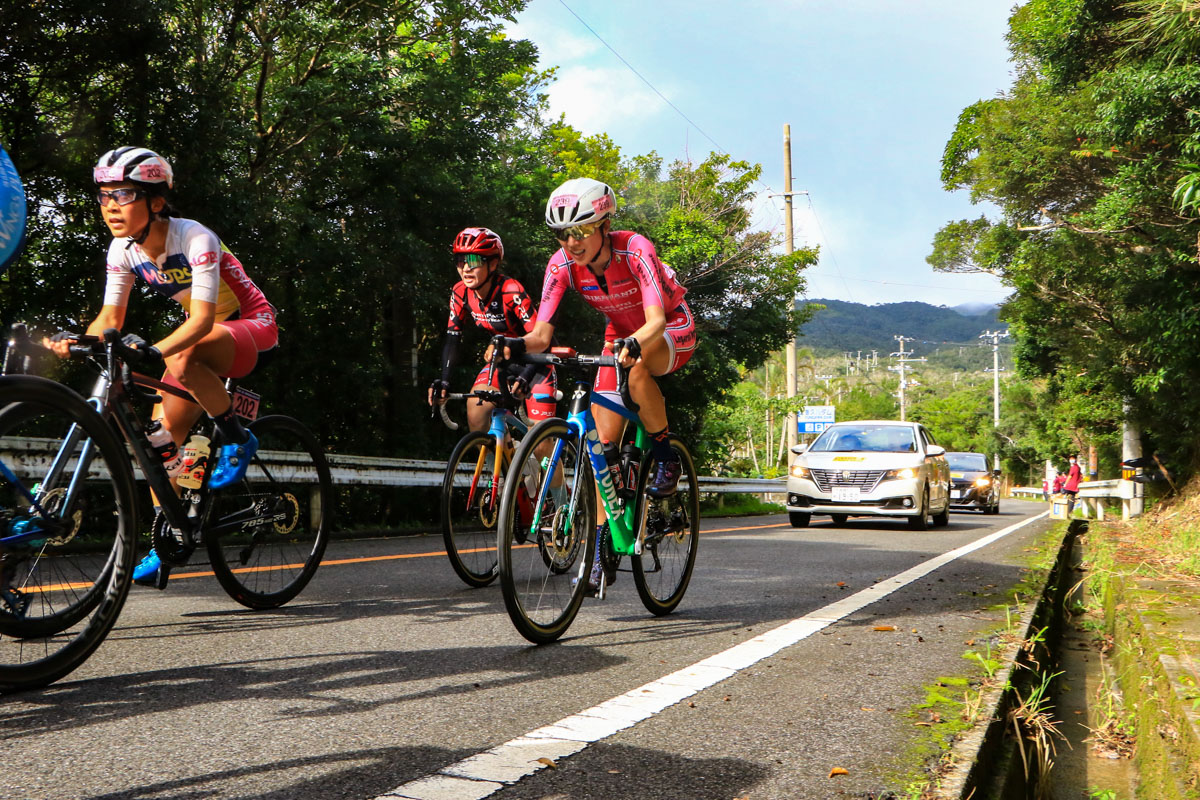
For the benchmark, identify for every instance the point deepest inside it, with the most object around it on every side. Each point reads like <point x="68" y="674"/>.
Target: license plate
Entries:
<point x="245" y="404"/>
<point x="846" y="494"/>
<point x="956" y="493"/>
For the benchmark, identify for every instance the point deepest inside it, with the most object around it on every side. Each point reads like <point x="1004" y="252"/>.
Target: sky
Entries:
<point x="870" y="88"/>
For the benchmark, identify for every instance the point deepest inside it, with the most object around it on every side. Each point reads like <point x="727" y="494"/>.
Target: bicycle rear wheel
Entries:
<point x="470" y="508"/>
<point x="544" y="557"/>
<point x="670" y="531"/>
<point x="67" y="525"/>
<point x="266" y="535"/>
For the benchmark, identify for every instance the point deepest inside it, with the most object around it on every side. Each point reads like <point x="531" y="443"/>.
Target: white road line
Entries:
<point x="488" y="772"/>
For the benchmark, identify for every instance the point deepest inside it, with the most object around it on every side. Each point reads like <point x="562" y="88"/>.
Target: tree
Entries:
<point x="1085" y="156"/>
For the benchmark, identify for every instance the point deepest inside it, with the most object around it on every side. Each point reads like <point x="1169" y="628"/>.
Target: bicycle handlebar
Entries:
<point x="567" y="357"/>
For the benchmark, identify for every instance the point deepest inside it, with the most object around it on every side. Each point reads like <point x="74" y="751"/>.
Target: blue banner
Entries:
<point x="12" y="212"/>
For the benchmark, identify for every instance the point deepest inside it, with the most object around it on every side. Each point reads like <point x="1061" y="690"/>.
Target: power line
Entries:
<point x="675" y="108"/>
<point x="642" y="77"/>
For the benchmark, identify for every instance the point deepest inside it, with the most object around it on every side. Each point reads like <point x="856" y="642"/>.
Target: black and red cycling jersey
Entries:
<point x="506" y="311"/>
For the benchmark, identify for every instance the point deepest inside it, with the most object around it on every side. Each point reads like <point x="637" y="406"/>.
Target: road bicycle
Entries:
<point x="474" y="479"/>
<point x="471" y="485"/>
<point x="545" y="557"/>
<point x="68" y="518"/>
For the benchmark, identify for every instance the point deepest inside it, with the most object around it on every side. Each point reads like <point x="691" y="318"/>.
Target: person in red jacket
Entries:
<point x="1071" y="484"/>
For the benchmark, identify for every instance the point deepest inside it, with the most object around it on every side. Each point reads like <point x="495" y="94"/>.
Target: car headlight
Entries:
<point x="799" y="471"/>
<point x="906" y="472"/>
<point x="981" y="482"/>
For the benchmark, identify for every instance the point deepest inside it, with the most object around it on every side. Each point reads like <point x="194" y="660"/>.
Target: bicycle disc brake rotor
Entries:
<point x="52" y="502"/>
<point x="287" y="513"/>
<point x="561" y="548"/>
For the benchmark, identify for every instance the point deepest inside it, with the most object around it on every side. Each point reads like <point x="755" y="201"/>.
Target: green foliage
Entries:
<point x="336" y="148"/>
<point x="1090" y="157"/>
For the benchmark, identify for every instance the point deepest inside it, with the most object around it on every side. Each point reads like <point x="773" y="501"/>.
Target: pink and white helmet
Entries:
<point x="135" y="164"/>
<point x="579" y="201"/>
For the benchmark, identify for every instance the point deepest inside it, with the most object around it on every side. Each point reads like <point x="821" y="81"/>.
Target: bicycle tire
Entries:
<point x="272" y="527"/>
<point x="670" y="533"/>
<point x="61" y="594"/>
<point x="471" y="540"/>
<point x="543" y="572"/>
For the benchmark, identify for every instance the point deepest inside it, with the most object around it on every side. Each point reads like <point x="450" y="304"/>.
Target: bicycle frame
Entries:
<point x="502" y="421"/>
<point x="621" y="521"/>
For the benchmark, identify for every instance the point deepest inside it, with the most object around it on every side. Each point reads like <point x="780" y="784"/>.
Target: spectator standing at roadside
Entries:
<point x="1071" y="484"/>
<point x="1046" y="489"/>
<point x="1059" y="480"/>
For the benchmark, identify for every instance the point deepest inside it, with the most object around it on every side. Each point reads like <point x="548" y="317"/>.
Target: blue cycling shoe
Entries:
<point x="151" y="571"/>
<point x="232" y="461"/>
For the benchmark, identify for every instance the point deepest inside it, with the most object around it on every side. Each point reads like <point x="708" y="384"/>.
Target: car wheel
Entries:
<point x="839" y="519"/>
<point x="942" y="519"/>
<point x="799" y="519"/>
<point x="996" y="508"/>
<point x="920" y="520"/>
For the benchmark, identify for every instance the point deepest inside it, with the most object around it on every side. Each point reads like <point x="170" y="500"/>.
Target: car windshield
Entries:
<point x="873" y="438"/>
<point x="968" y="462"/>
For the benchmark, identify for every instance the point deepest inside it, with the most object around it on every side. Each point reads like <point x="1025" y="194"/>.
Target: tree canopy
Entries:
<point x="336" y="148"/>
<point x="1091" y="158"/>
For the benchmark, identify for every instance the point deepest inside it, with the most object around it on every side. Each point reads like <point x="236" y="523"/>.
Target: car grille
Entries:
<point x="864" y="479"/>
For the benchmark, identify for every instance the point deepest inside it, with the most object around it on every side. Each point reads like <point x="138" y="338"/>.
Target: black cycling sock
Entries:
<point x="230" y="427"/>
<point x="660" y="446"/>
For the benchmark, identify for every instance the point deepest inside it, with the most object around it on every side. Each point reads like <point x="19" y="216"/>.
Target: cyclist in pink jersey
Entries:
<point x="229" y="321"/>
<point x="619" y="274"/>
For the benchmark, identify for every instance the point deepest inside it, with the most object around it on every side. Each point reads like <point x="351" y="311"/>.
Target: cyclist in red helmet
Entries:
<point x="229" y="321"/>
<point x="497" y="305"/>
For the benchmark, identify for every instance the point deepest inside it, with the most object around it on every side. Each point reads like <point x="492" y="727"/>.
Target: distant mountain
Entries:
<point x="843" y="326"/>
<point x="974" y="309"/>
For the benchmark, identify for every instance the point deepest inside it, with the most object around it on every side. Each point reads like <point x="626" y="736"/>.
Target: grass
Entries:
<point x="738" y="505"/>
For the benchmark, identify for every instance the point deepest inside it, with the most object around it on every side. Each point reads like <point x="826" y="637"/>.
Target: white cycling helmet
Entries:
<point x="135" y="164"/>
<point x="580" y="201"/>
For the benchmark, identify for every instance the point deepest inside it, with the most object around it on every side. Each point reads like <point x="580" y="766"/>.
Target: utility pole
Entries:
<point x="788" y="246"/>
<point x="995" y="336"/>
<point x="902" y="363"/>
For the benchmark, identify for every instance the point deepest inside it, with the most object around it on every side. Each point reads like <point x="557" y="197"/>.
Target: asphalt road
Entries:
<point x="389" y="670"/>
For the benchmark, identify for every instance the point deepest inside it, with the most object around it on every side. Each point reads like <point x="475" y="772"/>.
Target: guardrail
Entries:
<point x="30" y="457"/>
<point x="1093" y="494"/>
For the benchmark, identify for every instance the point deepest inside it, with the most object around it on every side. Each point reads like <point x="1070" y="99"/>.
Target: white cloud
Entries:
<point x="603" y="100"/>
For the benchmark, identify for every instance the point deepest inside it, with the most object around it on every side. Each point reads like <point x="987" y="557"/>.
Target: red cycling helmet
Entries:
<point x="480" y="241"/>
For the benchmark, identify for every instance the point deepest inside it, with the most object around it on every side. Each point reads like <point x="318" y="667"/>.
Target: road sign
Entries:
<point x="816" y="414"/>
<point x="813" y="427"/>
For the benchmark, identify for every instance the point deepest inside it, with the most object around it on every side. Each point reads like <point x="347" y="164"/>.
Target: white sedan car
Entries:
<point x="877" y="468"/>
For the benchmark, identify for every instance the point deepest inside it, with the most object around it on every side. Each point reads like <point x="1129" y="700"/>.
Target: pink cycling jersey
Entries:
<point x="635" y="280"/>
<point x="194" y="265"/>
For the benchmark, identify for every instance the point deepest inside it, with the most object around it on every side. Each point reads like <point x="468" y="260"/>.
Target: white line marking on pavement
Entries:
<point x="488" y="772"/>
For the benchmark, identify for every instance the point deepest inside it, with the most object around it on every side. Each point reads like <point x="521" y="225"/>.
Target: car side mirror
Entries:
<point x="935" y="450"/>
<point x="799" y="449"/>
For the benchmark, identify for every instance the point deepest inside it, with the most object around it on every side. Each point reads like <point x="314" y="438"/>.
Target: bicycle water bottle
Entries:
<point x="631" y="459"/>
<point x="195" y="461"/>
<point x="160" y="439"/>
<point x="614" y="467"/>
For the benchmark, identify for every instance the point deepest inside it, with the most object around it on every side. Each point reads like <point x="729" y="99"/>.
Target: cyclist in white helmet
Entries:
<point x="229" y="321"/>
<point x="619" y="274"/>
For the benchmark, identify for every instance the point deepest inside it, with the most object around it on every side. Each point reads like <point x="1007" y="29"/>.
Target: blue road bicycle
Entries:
<point x="545" y="557"/>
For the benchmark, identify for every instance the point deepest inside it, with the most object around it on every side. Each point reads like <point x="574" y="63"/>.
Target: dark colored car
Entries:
<point x="972" y="485"/>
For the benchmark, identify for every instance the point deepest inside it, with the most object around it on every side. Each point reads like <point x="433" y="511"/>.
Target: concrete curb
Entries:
<point x="983" y="761"/>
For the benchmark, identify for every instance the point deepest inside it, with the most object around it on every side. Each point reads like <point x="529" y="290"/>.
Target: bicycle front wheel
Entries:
<point x="266" y="535"/>
<point x="67" y="524"/>
<point x="470" y="508"/>
<point x="669" y="530"/>
<point x="544" y="541"/>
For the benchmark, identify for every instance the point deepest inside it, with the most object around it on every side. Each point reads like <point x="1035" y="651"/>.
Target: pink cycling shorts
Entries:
<point x="545" y="385"/>
<point x="681" y="341"/>
<point x="251" y="335"/>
